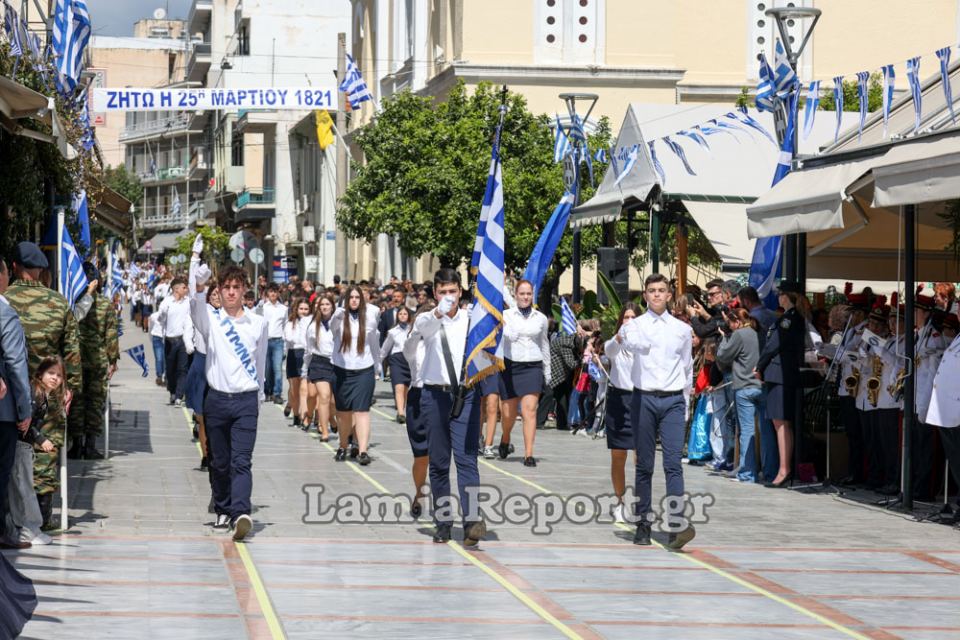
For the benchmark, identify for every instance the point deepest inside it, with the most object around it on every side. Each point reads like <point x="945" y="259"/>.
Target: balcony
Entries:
<point x="164" y="176"/>
<point x="199" y="167"/>
<point x="170" y="220"/>
<point x="179" y="123"/>
<point x="200" y="13"/>
<point x="254" y="205"/>
<point x="256" y="120"/>
<point x="199" y="62"/>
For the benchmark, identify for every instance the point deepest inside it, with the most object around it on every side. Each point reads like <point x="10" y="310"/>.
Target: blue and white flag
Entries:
<point x="657" y="166"/>
<point x="577" y="134"/>
<point x="766" y="91"/>
<point x="695" y="135"/>
<point x="547" y="244"/>
<point x="484" y="351"/>
<point x="678" y="150"/>
<point x="863" y="77"/>
<point x="838" y="104"/>
<point x="944" y="56"/>
<point x="630" y="161"/>
<point x="568" y="321"/>
<point x="11" y="25"/>
<point x="140" y="357"/>
<point x="913" y="79"/>
<point x="175" y="206"/>
<point x="82" y="209"/>
<point x="747" y="119"/>
<point x="810" y="107"/>
<point x="116" y="276"/>
<point x="889" y="84"/>
<point x="354" y="86"/>
<point x="73" y="282"/>
<point x="785" y="77"/>
<point x="561" y="143"/>
<point x="119" y="326"/>
<point x="71" y="33"/>
<point x="484" y="215"/>
<point x="600" y="155"/>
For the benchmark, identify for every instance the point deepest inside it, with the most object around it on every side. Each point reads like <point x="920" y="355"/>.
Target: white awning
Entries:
<point x="918" y="172"/>
<point x="18" y="101"/>
<point x="725" y="226"/>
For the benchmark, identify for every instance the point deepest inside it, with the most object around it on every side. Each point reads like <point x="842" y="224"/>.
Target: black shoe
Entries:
<point x="173" y="399"/>
<point x="89" y="449"/>
<point x="354" y="452"/>
<point x="677" y="540"/>
<point x="196" y="431"/>
<point x="364" y="459"/>
<point x="76" y="450"/>
<point x="204" y="464"/>
<point x="286" y="413"/>
<point x="45" y="502"/>
<point x="340" y="455"/>
<point x="442" y="533"/>
<point x="642" y="534"/>
<point x="503" y="450"/>
<point x="222" y="522"/>
<point x="473" y="533"/>
<point x="401" y="419"/>
<point x="529" y="461"/>
<point x="333" y="428"/>
<point x="277" y="400"/>
<point x="296" y="419"/>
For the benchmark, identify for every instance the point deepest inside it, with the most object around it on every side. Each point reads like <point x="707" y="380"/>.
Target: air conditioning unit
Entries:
<point x="304" y="202"/>
<point x="308" y="233"/>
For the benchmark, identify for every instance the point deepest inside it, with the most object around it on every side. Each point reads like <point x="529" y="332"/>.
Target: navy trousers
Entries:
<point x="651" y="415"/>
<point x="8" y="448"/>
<point x="176" y="365"/>
<point x="231" y="422"/>
<point x="457" y="438"/>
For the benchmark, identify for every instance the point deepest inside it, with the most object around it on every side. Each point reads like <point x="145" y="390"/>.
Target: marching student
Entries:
<point x="662" y="376"/>
<point x="356" y="365"/>
<point x="392" y="348"/>
<point x="526" y="351"/>
<point x="414" y="350"/>
<point x="275" y="313"/>
<point x="174" y="316"/>
<point x="197" y="377"/>
<point x="444" y="332"/>
<point x="317" y="367"/>
<point x="295" y="339"/>
<point x="236" y="340"/>
<point x="617" y="427"/>
<point x="156" y="339"/>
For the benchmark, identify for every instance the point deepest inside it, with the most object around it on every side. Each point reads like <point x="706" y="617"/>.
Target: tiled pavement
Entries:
<point x="141" y="561"/>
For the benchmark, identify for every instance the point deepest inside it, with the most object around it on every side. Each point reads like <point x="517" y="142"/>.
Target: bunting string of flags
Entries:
<point x="837" y="104"/>
<point x="862" y="93"/>
<point x="812" y="102"/>
<point x="944" y="56"/>
<point x="913" y="80"/>
<point x="889" y="81"/>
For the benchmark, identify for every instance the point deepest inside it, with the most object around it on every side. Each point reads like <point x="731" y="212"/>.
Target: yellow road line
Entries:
<point x="189" y="419"/>
<point x="388" y="417"/>
<point x="266" y="607"/>
<point x="515" y="592"/>
<point x="529" y="483"/>
<point x="364" y="474"/>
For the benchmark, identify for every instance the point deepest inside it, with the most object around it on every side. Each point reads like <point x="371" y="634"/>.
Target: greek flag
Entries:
<point x="82" y="209"/>
<point x="913" y="79"/>
<point x="656" y="164"/>
<point x="116" y="277"/>
<point x="695" y="135"/>
<point x="484" y="215"/>
<point x="751" y="122"/>
<point x="944" y="56"/>
<point x="484" y="353"/>
<point x="678" y="150"/>
<point x="838" y="104"/>
<point x="119" y="326"/>
<point x="547" y="244"/>
<point x="600" y="156"/>
<point x="354" y="86"/>
<point x="11" y="24"/>
<point x="785" y="77"/>
<point x="862" y="90"/>
<point x="71" y="33"/>
<point x="175" y="206"/>
<point x="140" y="357"/>
<point x="561" y="143"/>
<point x="631" y="160"/>
<point x="568" y="322"/>
<point x="577" y="134"/>
<point x="765" y="88"/>
<point x="889" y="82"/>
<point x="810" y="107"/>
<point x="73" y="282"/>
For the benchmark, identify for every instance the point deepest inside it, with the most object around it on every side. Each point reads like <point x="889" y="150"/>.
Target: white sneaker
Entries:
<point x="41" y="539"/>
<point x="241" y="527"/>
<point x="223" y="522"/>
<point x="489" y="452"/>
<point x="618" y="514"/>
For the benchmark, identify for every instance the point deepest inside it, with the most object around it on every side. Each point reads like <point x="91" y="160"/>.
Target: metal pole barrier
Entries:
<point x="106" y="424"/>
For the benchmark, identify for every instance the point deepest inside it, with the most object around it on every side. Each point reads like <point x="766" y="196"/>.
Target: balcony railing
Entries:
<point x="147" y="128"/>
<point x="170" y="220"/>
<point x="253" y="198"/>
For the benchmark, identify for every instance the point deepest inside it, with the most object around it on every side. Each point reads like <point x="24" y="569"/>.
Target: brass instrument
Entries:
<point x="874" y="381"/>
<point x="852" y="382"/>
<point x="896" y="389"/>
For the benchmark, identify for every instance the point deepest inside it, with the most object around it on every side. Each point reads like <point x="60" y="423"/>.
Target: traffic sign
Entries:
<point x="256" y="256"/>
<point x="237" y="255"/>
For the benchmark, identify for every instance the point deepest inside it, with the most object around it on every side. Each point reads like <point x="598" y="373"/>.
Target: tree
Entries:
<point x="851" y="95"/>
<point x="123" y="182"/>
<point x="216" y="244"/>
<point x="426" y="170"/>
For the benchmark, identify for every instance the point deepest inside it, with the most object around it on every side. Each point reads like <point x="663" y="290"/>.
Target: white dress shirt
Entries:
<point x="930" y="346"/>
<point x="525" y="338"/>
<point x="662" y="348"/>
<point x="174" y="316"/>
<point x="193" y="339"/>
<point x="414" y="350"/>
<point x="161" y="291"/>
<point x="320" y="346"/>
<point x="396" y="338"/>
<point x="153" y="323"/>
<point x="621" y="365"/>
<point x="434" y="368"/>
<point x="236" y="347"/>
<point x="275" y="313"/>
<point x="295" y="334"/>
<point x="350" y="359"/>
<point x="944" y="410"/>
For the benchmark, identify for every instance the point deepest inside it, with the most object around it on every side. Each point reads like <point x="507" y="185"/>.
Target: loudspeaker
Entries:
<point x="614" y="262"/>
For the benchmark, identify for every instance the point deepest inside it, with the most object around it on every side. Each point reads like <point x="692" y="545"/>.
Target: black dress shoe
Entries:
<point x="364" y="459"/>
<point x="889" y="490"/>
<point x="642" y="535"/>
<point x="286" y="413"/>
<point x="473" y="533"/>
<point x="204" y="464"/>
<point x="354" y="452"/>
<point x="340" y="455"/>
<point x="529" y="461"/>
<point x="296" y="421"/>
<point x="504" y="450"/>
<point x="779" y="485"/>
<point x="677" y="540"/>
<point x="442" y="534"/>
<point x="76" y="451"/>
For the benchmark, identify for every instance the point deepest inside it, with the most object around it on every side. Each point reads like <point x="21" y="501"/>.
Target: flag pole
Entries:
<point x="64" y="521"/>
<point x="106" y="416"/>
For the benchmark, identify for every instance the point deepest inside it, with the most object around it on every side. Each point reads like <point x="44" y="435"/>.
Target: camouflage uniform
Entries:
<point x="50" y="330"/>
<point x="99" y="348"/>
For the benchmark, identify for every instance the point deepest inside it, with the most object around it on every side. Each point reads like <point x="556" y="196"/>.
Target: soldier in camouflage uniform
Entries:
<point x="50" y="330"/>
<point x="99" y="353"/>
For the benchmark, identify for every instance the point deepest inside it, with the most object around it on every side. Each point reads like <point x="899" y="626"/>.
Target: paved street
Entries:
<point x="140" y="559"/>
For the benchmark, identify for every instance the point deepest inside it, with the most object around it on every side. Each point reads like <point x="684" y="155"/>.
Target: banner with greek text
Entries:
<point x="127" y="99"/>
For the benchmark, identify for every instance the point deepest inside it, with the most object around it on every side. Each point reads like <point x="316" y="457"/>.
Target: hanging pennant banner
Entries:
<point x="105" y="100"/>
<point x="944" y="56"/>
<point x="913" y="79"/>
<point x="889" y="84"/>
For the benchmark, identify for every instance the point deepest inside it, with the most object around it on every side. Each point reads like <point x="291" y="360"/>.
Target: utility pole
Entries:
<point x="340" y="244"/>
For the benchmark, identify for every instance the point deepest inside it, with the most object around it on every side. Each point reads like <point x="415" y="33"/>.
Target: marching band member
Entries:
<point x="929" y="349"/>
<point x="879" y="412"/>
<point x="849" y="381"/>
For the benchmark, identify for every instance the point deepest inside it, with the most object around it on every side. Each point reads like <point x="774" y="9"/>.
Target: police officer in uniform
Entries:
<point x="99" y="353"/>
<point x="50" y="330"/>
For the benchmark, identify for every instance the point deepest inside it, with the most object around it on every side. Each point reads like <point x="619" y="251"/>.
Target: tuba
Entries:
<point x="874" y="381"/>
<point x="852" y="382"/>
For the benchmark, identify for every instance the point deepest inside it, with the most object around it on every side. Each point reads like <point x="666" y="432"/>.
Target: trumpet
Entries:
<point x="852" y="382"/>
<point x="874" y="381"/>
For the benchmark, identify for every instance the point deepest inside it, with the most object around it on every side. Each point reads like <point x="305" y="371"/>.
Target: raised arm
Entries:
<point x="633" y="338"/>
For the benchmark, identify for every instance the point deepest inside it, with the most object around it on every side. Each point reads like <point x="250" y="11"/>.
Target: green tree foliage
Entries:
<point x="125" y="183"/>
<point x="216" y="247"/>
<point x="851" y="98"/>
<point x="426" y="170"/>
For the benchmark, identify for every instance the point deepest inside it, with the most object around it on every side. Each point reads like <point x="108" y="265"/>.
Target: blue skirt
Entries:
<point x="416" y="427"/>
<point x="353" y="389"/>
<point x="521" y="379"/>
<point x="197" y="383"/>
<point x="781" y="401"/>
<point x="616" y="422"/>
<point x="399" y="369"/>
<point x="321" y="370"/>
<point x="490" y="385"/>
<point x="294" y="362"/>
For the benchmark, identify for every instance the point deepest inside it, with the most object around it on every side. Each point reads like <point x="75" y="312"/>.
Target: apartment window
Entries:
<point x="243" y="38"/>
<point x="236" y="150"/>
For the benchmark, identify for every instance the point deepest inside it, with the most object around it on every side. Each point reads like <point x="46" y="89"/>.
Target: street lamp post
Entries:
<point x="571" y="100"/>
<point x="795" y="245"/>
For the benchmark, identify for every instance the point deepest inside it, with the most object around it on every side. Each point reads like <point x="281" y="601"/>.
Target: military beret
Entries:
<point x="29" y="255"/>
<point x="788" y="286"/>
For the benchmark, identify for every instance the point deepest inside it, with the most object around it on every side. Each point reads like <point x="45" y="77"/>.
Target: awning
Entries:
<point x="161" y="242"/>
<point x="725" y="226"/>
<point x="18" y="101"/>
<point x="918" y="172"/>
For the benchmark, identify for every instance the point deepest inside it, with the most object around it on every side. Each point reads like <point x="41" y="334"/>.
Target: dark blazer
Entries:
<point x="782" y="354"/>
<point x="17" y="405"/>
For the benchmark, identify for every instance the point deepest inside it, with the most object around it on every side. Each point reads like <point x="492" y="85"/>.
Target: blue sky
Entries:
<point x="116" y="17"/>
